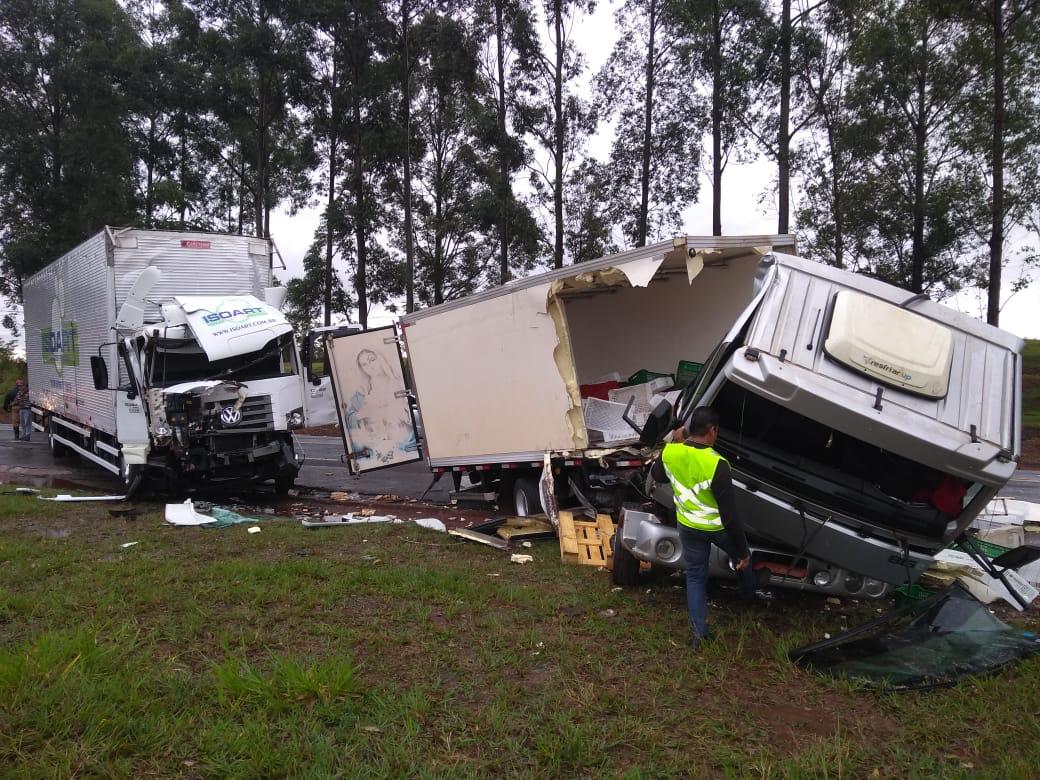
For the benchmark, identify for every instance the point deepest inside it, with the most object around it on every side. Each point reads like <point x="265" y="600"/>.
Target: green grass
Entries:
<point x="1031" y="384"/>
<point x="390" y="651"/>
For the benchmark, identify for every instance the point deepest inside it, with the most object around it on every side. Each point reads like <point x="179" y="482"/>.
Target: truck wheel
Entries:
<point x="526" y="497"/>
<point x="625" y="569"/>
<point x="58" y="450"/>
<point x="133" y="477"/>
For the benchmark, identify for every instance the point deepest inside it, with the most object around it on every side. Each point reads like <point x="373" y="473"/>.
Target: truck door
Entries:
<point x="372" y="399"/>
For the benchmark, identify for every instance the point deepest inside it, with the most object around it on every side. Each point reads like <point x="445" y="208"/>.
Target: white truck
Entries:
<point x="866" y="427"/>
<point x="162" y="356"/>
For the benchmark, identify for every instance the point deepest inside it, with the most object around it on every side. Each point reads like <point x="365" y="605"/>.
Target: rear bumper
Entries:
<point x="649" y="540"/>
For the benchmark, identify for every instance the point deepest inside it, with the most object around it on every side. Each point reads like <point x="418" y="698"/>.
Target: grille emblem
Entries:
<point x="229" y="415"/>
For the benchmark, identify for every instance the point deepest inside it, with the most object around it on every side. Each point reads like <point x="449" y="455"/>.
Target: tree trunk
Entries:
<point x="560" y="130"/>
<point x="329" y="223"/>
<point x="183" y="170"/>
<point x="716" y="120"/>
<point x="504" y="197"/>
<point x="360" y="220"/>
<point x="648" y="127"/>
<point x="996" y="239"/>
<point x="783" y="136"/>
<point x="149" y="204"/>
<point x="837" y="204"/>
<point x="920" y="151"/>
<point x="406" y="106"/>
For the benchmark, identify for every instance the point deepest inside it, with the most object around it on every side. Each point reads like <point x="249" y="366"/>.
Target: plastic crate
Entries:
<point x="644" y="375"/>
<point x="988" y="549"/>
<point x="907" y="594"/>
<point x="686" y="372"/>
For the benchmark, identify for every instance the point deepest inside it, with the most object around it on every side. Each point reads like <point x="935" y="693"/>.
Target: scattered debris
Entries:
<point x="367" y="512"/>
<point x="586" y="542"/>
<point x="608" y="613"/>
<point x="431" y="523"/>
<point x="339" y="495"/>
<point x="128" y="544"/>
<point x="475" y="536"/>
<point x="26" y="490"/>
<point x="224" y="517"/>
<point x="372" y="729"/>
<point x="533" y="527"/>
<point x="350" y="518"/>
<point x="528" y="545"/>
<point x="66" y="497"/>
<point x="956" y="565"/>
<point x="833" y="600"/>
<point x="185" y="514"/>
<point x="253" y="529"/>
<point x="521" y="558"/>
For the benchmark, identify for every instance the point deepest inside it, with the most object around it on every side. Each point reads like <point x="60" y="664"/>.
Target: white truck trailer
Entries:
<point x="866" y="427"/>
<point x="163" y="356"/>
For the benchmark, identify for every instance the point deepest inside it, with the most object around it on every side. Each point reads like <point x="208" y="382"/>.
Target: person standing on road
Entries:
<point x="705" y="511"/>
<point x="17" y="402"/>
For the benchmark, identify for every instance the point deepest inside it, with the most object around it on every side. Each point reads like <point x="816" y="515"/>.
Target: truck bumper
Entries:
<point x="648" y="539"/>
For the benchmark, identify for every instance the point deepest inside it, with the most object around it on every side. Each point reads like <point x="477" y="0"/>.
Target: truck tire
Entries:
<point x="526" y="497"/>
<point x="625" y="568"/>
<point x="58" y="450"/>
<point x="133" y="478"/>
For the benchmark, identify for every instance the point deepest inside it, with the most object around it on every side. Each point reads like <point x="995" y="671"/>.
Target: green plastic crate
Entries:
<point x="988" y="549"/>
<point x="907" y="594"/>
<point x="687" y="372"/>
<point x="644" y="375"/>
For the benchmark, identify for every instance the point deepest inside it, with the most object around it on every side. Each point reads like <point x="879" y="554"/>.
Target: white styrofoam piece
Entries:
<point x="604" y="418"/>
<point x="432" y="523"/>
<point x="66" y="497"/>
<point x="185" y="514"/>
<point x="1007" y="511"/>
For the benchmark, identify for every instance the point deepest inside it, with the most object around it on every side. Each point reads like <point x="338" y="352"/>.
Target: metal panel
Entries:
<point x="794" y="318"/>
<point x="209" y="263"/>
<point x="68" y="308"/>
<point x="779" y="243"/>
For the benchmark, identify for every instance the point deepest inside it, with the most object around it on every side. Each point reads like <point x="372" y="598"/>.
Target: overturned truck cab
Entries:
<point x="866" y="428"/>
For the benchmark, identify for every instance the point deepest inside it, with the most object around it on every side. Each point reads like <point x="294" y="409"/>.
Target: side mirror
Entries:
<point x="99" y="371"/>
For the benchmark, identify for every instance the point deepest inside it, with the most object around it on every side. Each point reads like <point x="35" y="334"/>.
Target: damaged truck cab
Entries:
<point x="175" y="365"/>
<point x="865" y="426"/>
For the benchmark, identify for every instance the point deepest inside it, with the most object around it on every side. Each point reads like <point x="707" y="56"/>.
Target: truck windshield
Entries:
<point x="170" y="365"/>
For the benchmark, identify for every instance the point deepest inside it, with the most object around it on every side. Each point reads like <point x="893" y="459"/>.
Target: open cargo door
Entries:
<point x="372" y="399"/>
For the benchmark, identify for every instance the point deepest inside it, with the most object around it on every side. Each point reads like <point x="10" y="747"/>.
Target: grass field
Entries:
<point x="393" y="651"/>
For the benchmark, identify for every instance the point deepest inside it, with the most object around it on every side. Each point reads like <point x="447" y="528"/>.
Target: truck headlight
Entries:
<point x="294" y="419"/>
<point x="822" y="579"/>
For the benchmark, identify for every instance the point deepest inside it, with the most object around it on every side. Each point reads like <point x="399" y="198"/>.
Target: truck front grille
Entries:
<point x="257" y="416"/>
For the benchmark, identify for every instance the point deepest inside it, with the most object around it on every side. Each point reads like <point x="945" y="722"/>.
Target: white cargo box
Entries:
<point x="71" y="305"/>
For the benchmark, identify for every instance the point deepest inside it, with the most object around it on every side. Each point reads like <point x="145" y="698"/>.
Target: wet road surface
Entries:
<point x="31" y="463"/>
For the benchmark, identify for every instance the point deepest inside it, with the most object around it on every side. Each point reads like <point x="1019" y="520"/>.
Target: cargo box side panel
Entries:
<point x="68" y="311"/>
<point x="487" y="380"/>
<point x="191" y="263"/>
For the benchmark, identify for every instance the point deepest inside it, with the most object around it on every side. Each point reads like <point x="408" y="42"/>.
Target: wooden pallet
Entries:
<point x="586" y="542"/>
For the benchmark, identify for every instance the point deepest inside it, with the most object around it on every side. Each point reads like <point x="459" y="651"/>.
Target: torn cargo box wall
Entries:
<point x="487" y="379"/>
<point x="623" y="329"/>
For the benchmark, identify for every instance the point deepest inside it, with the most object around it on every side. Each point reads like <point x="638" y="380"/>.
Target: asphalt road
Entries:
<point x="322" y="469"/>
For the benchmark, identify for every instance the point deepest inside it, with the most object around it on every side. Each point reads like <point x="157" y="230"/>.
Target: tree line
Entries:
<point x="447" y="141"/>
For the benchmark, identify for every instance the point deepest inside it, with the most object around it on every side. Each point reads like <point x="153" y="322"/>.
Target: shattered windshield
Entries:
<point x="172" y="365"/>
<point x="925" y="644"/>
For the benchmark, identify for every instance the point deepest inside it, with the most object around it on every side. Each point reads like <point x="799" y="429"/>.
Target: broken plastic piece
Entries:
<point x="432" y="523"/>
<point x="185" y="514"/>
<point x="474" y="536"/>
<point x="128" y="544"/>
<point x="521" y="558"/>
<point x="66" y="497"/>
<point x="255" y="529"/>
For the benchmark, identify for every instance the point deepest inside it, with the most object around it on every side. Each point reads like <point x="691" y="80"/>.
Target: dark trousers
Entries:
<point x="696" y="552"/>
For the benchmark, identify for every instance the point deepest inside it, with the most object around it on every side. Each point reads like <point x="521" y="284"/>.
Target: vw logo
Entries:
<point x="229" y="415"/>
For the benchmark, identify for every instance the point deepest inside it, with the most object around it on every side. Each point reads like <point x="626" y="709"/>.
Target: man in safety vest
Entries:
<point x="705" y="511"/>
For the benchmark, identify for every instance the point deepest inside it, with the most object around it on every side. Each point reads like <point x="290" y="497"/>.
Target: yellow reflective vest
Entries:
<point x="690" y="471"/>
